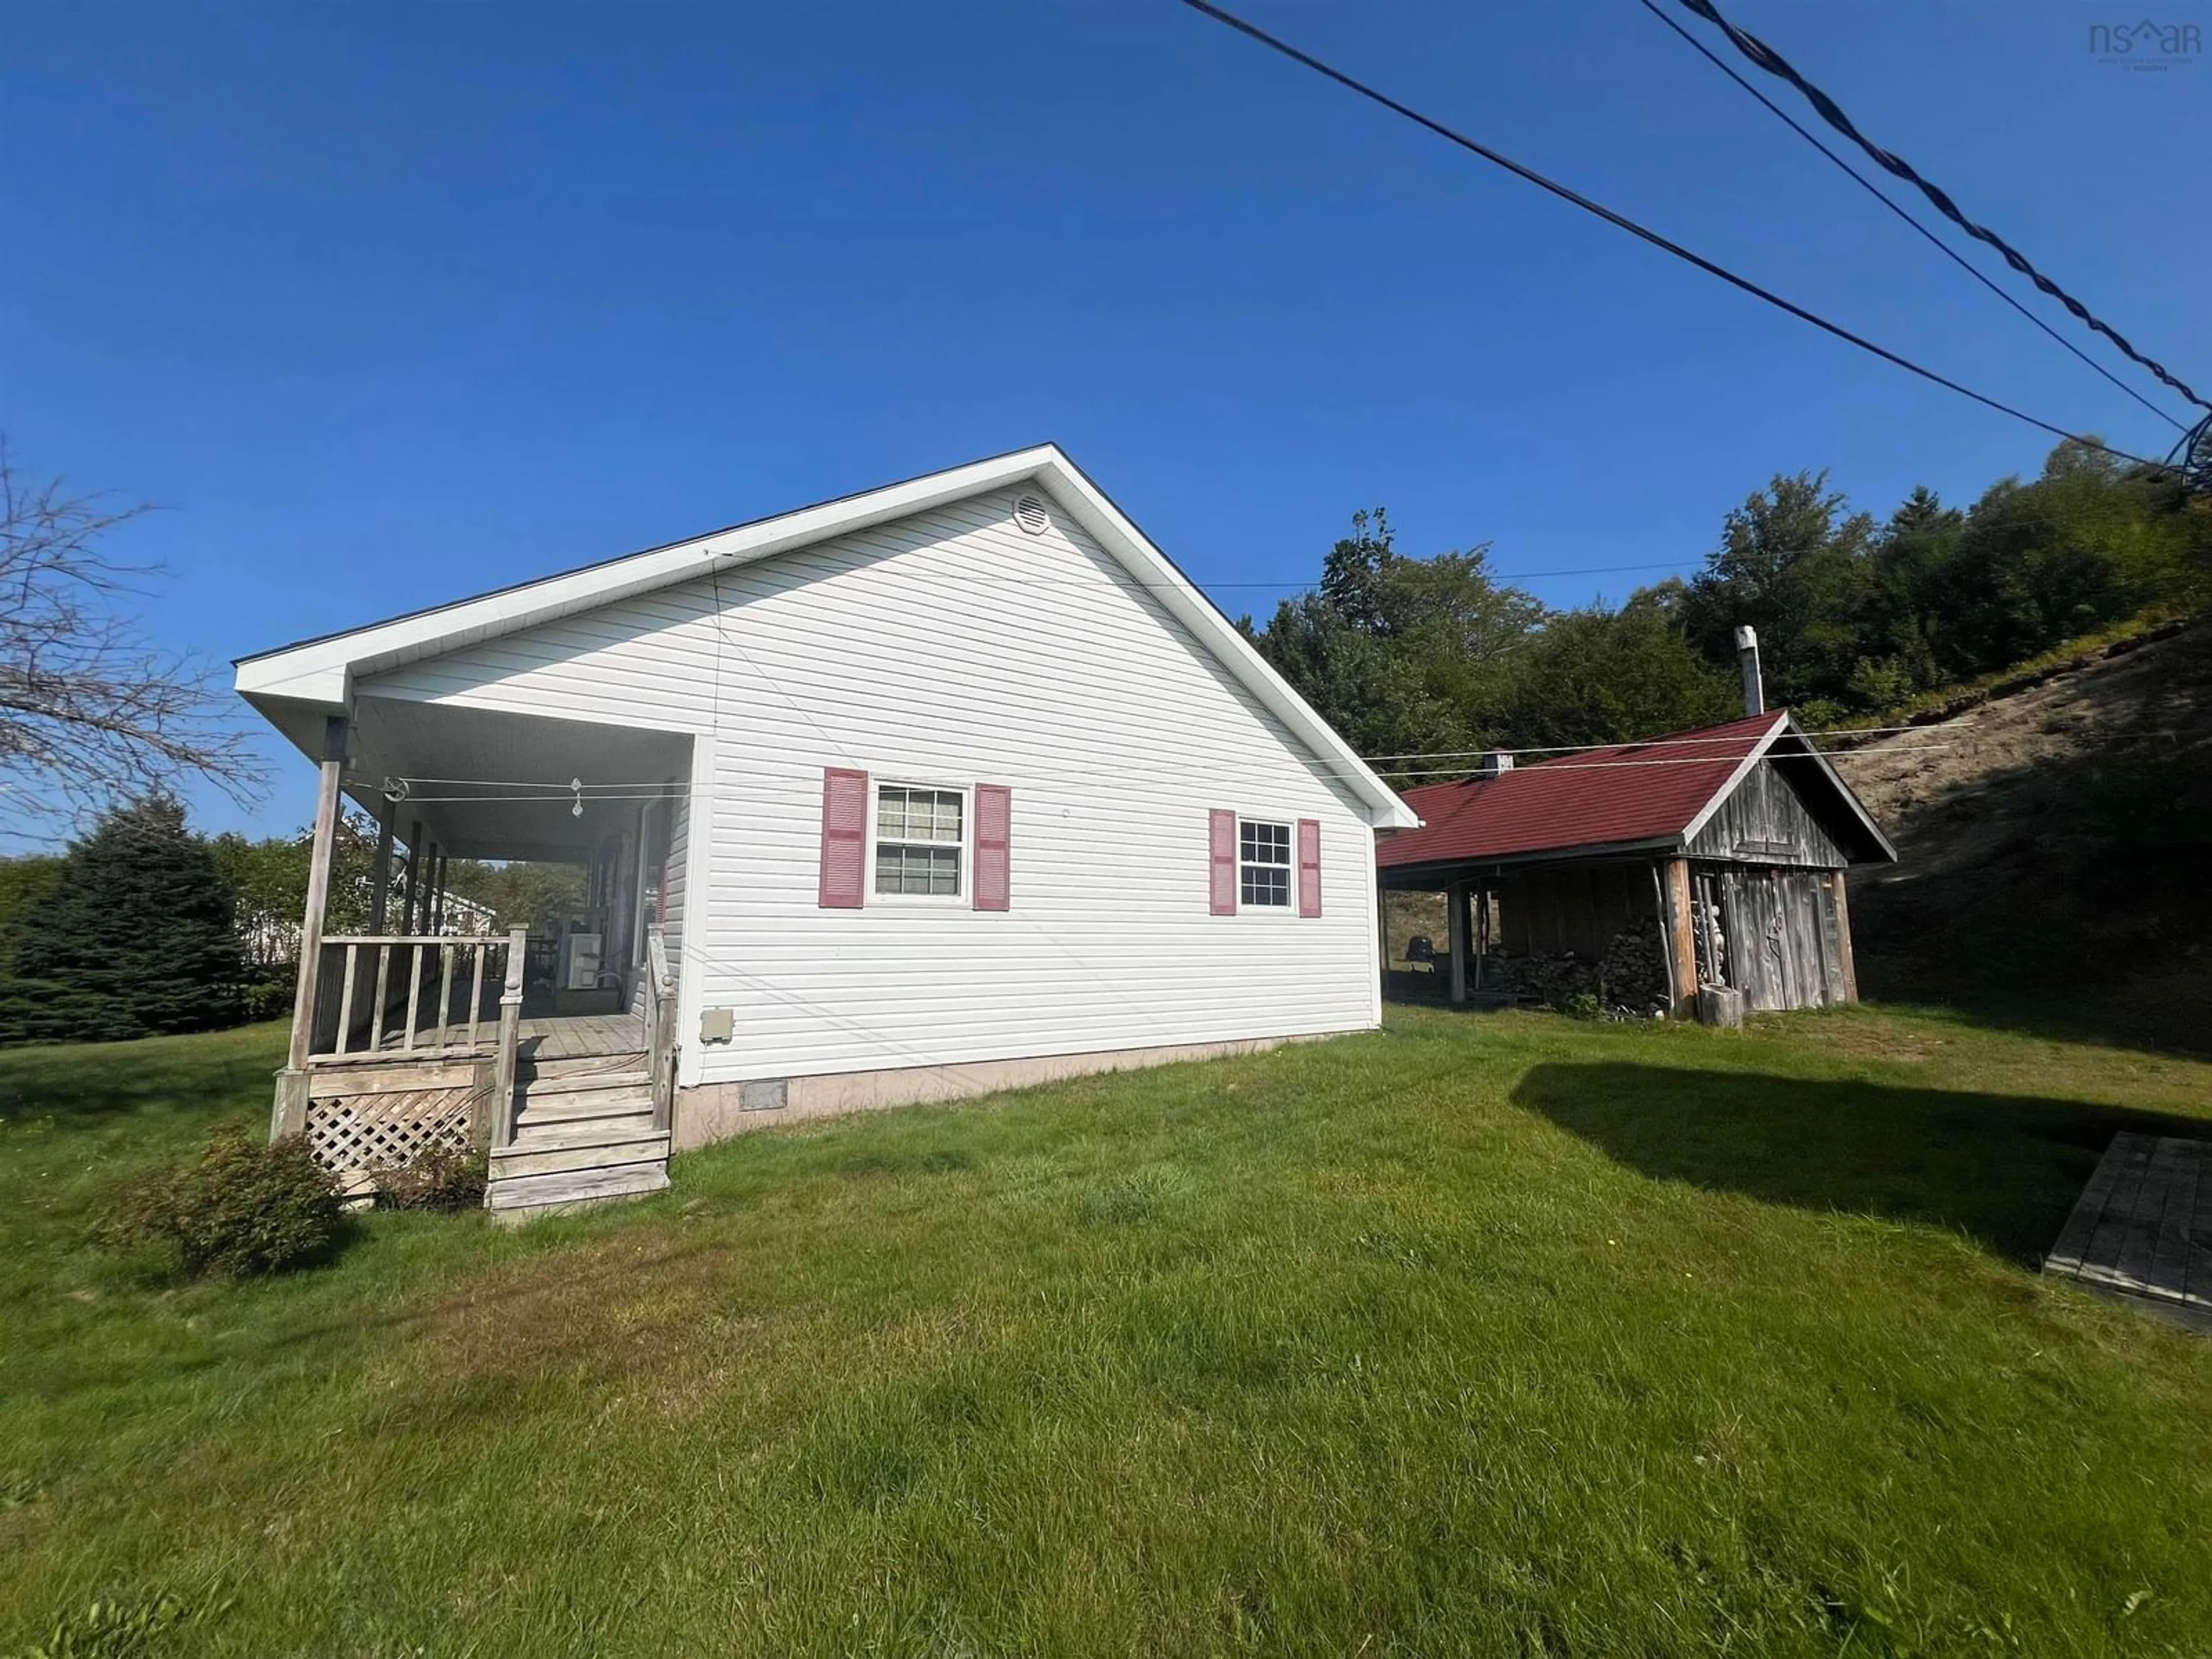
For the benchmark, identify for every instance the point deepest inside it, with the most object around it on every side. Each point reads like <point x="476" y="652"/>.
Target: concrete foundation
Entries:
<point x="715" y="1111"/>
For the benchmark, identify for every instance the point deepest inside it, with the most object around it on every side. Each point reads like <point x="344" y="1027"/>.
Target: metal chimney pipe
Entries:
<point x="1746" y="656"/>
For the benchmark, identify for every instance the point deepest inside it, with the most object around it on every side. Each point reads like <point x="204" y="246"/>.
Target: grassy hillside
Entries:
<point x="1484" y="1334"/>
<point x="2054" y="849"/>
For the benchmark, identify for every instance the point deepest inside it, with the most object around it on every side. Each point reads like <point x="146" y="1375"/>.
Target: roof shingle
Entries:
<point x="1633" y="792"/>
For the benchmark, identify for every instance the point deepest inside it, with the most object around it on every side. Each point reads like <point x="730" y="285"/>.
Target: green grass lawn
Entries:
<point x="1480" y="1335"/>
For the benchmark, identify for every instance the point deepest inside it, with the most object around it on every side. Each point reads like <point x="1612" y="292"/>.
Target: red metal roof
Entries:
<point x="1633" y="792"/>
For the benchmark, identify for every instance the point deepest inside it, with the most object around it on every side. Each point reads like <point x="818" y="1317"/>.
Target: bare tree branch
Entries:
<point x="92" y="712"/>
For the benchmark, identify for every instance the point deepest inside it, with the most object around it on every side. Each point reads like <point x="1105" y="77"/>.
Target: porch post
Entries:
<point x="438" y="895"/>
<point x="425" y="890"/>
<point x="413" y="887"/>
<point x="380" y="895"/>
<point x="291" y="1116"/>
<point x="1456" y="920"/>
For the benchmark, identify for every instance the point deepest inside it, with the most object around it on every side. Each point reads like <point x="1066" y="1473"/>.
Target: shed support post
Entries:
<point x="1456" y="914"/>
<point x="291" y="1108"/>
<point x="1481" y="932"/>
<point x="1843" y="938"/>
<point x="379" y="894"/>
<point x="1681" y="942"/>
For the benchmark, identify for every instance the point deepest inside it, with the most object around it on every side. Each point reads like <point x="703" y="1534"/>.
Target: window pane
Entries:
<point x="908" y="868"/>
<point x="1263" y="843"/>
<point x="1266" y="884"/>
<point x="890" y="814"/>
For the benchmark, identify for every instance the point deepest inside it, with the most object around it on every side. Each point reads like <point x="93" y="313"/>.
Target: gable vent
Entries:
<point x="1029" y="513"/>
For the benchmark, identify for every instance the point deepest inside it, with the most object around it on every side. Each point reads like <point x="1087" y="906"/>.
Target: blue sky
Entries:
<point x="388" y="305"/>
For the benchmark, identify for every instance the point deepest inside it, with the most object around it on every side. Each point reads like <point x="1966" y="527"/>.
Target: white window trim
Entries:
<point x="963" y="900"/>
<point x="1289" y="907"/>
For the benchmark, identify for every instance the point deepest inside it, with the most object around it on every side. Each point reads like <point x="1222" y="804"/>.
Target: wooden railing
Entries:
<point x="396" y="995"/>
<point x="660" y="1027"/>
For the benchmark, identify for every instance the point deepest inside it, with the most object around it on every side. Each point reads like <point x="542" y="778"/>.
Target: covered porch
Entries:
<point x="430" y="1027"/>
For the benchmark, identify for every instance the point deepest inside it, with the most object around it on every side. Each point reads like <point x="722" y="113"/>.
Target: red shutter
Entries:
<point x="1222" y="829"/>
<point x="994" y="815"/>
<point x="844" y="837"/>
<point x="1309" y="867"/>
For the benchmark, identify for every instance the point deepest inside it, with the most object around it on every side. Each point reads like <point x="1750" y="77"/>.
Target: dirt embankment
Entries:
<point x="2056" y="845"/>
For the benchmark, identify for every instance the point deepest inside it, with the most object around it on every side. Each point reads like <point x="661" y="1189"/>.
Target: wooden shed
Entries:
<point x="1730" y="845"/>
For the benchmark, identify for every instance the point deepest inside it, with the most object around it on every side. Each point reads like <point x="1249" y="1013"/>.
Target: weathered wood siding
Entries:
<point x="951" y="648"/>
<point x="1763" y="821"/>
<point x="1782" y="928"/>
<point x="1572" y="907"/>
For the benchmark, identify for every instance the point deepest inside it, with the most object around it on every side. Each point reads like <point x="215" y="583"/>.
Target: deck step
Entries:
<point x="523" y="1197"/>
<point x="609" y="1153"/>
<point x="588" y="1109"/>
<point x="579" y="1083"/>
<point x="582" y="1132"/>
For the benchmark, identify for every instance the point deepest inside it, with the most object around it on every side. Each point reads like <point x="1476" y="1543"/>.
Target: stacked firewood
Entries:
<point x="1554" y="981"/>
<point x="1633" y="975"/>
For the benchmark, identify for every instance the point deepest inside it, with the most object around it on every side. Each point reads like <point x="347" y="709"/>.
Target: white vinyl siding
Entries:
<point x="950" y="649"/>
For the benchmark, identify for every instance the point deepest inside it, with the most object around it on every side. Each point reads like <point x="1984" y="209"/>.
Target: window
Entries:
<point x="919" y="835"/>
<point x="1263" y="863"/>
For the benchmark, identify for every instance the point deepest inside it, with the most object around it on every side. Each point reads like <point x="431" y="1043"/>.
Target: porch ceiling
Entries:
<point x="488" y="784"/>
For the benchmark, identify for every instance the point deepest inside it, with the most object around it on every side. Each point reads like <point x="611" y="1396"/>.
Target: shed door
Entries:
<point x="1784" y="941"/>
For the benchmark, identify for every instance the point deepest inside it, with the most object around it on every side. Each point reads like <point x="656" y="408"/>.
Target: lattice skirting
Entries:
<point x="359" y="1126"/>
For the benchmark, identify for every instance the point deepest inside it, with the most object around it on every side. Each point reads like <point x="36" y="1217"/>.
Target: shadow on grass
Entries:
<point x="2006" y="1170"/>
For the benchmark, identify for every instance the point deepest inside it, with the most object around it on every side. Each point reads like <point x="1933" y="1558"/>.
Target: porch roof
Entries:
<point x="488" y="784"/>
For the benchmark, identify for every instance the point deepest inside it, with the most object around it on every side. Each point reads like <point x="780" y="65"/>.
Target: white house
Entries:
<point x="953" y="785"/>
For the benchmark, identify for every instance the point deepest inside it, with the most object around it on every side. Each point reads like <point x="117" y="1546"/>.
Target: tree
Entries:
<point x="269" y="882"/>
<point x="91" y="712"/>
<point x="22" y="882"/>
<point x="1796" y="564"/>
<point x="1402" y="654"/>
<point x="520" y="895"/>
<point x="1599" y="675"/>
<point x="133" y="939"/>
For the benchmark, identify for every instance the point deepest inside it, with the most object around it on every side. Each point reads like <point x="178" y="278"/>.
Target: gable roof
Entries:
<point x="1647" y="795"/>
<point x="320" y="674"/>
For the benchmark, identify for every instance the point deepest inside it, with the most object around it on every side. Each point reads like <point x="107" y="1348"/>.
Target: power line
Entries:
<point x="1776" y="64"/>
<point x="1632" y="743"/>
<point x="1550" y="767"/>
<point x="554" y="789"/>
<point x="1643" y="232"/>
<point x="1876" y="190"/>
<point x="610" y="793"/>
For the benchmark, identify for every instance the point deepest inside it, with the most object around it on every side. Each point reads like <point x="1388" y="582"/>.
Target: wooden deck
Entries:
<point x="582" y="1037"/>
<point x="2143" y="1227"/>
<point x="556" y="1036"/>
